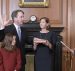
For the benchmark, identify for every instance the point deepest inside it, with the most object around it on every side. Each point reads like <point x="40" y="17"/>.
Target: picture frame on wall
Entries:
<point x="33" y="3"/>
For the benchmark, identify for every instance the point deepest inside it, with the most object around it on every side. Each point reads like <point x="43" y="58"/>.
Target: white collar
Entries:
<point x="16" y="26"/>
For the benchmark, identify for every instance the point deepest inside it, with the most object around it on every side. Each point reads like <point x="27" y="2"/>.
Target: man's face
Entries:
<point x="19" y="19"/>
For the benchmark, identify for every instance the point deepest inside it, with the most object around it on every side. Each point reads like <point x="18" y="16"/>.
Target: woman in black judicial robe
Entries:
<point x="43" y="43"/>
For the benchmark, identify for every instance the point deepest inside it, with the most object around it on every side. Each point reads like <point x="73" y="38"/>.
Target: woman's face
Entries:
<point x="13" y="40"/>
<point x="9" y="41"/>
<point x="43" y="24"/>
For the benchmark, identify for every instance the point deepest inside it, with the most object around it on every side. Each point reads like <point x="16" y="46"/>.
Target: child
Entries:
<point x="10" y="58"/>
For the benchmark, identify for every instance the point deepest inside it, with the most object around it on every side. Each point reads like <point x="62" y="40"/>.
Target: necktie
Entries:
<point x="19" y="33"/>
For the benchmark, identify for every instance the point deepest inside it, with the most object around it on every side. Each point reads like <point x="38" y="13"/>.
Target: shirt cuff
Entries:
<point x="1" y="27"/>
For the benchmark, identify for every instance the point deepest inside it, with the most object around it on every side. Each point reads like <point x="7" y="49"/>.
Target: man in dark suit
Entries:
<point x="15" y="27"/>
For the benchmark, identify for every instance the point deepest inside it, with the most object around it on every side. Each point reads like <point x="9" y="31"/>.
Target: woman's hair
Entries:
<point x="8" y="40"/>
<point x="47" y="21"/>
<point x="1" y="43"/>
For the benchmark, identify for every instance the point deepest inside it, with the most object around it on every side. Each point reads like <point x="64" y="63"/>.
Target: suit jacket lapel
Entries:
<point x="15" y="31"/>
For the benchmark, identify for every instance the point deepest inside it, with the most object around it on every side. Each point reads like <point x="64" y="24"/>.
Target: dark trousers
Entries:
<point x="22" y="68"/>
<point x="23" y="55"/>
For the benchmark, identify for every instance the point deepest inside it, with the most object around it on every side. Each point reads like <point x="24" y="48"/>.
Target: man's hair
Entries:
<point x="14" y="13"/>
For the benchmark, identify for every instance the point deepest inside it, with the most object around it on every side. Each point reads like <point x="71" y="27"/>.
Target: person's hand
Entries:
<point x="4" y="22"/>
<point x="47" y="43"/>
<point x="38" y="40"/>
<point x="35" y="43"/>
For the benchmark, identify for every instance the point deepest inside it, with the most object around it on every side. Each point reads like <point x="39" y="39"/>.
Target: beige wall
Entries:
<point x="53" y="12"/>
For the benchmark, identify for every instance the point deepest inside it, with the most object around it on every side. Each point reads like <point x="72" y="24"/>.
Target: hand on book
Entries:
<point x="43" y="41"/>
<point x="38" y="40"/>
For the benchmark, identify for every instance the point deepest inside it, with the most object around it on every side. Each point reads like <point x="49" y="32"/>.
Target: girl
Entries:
<point x="10" y="58"/>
